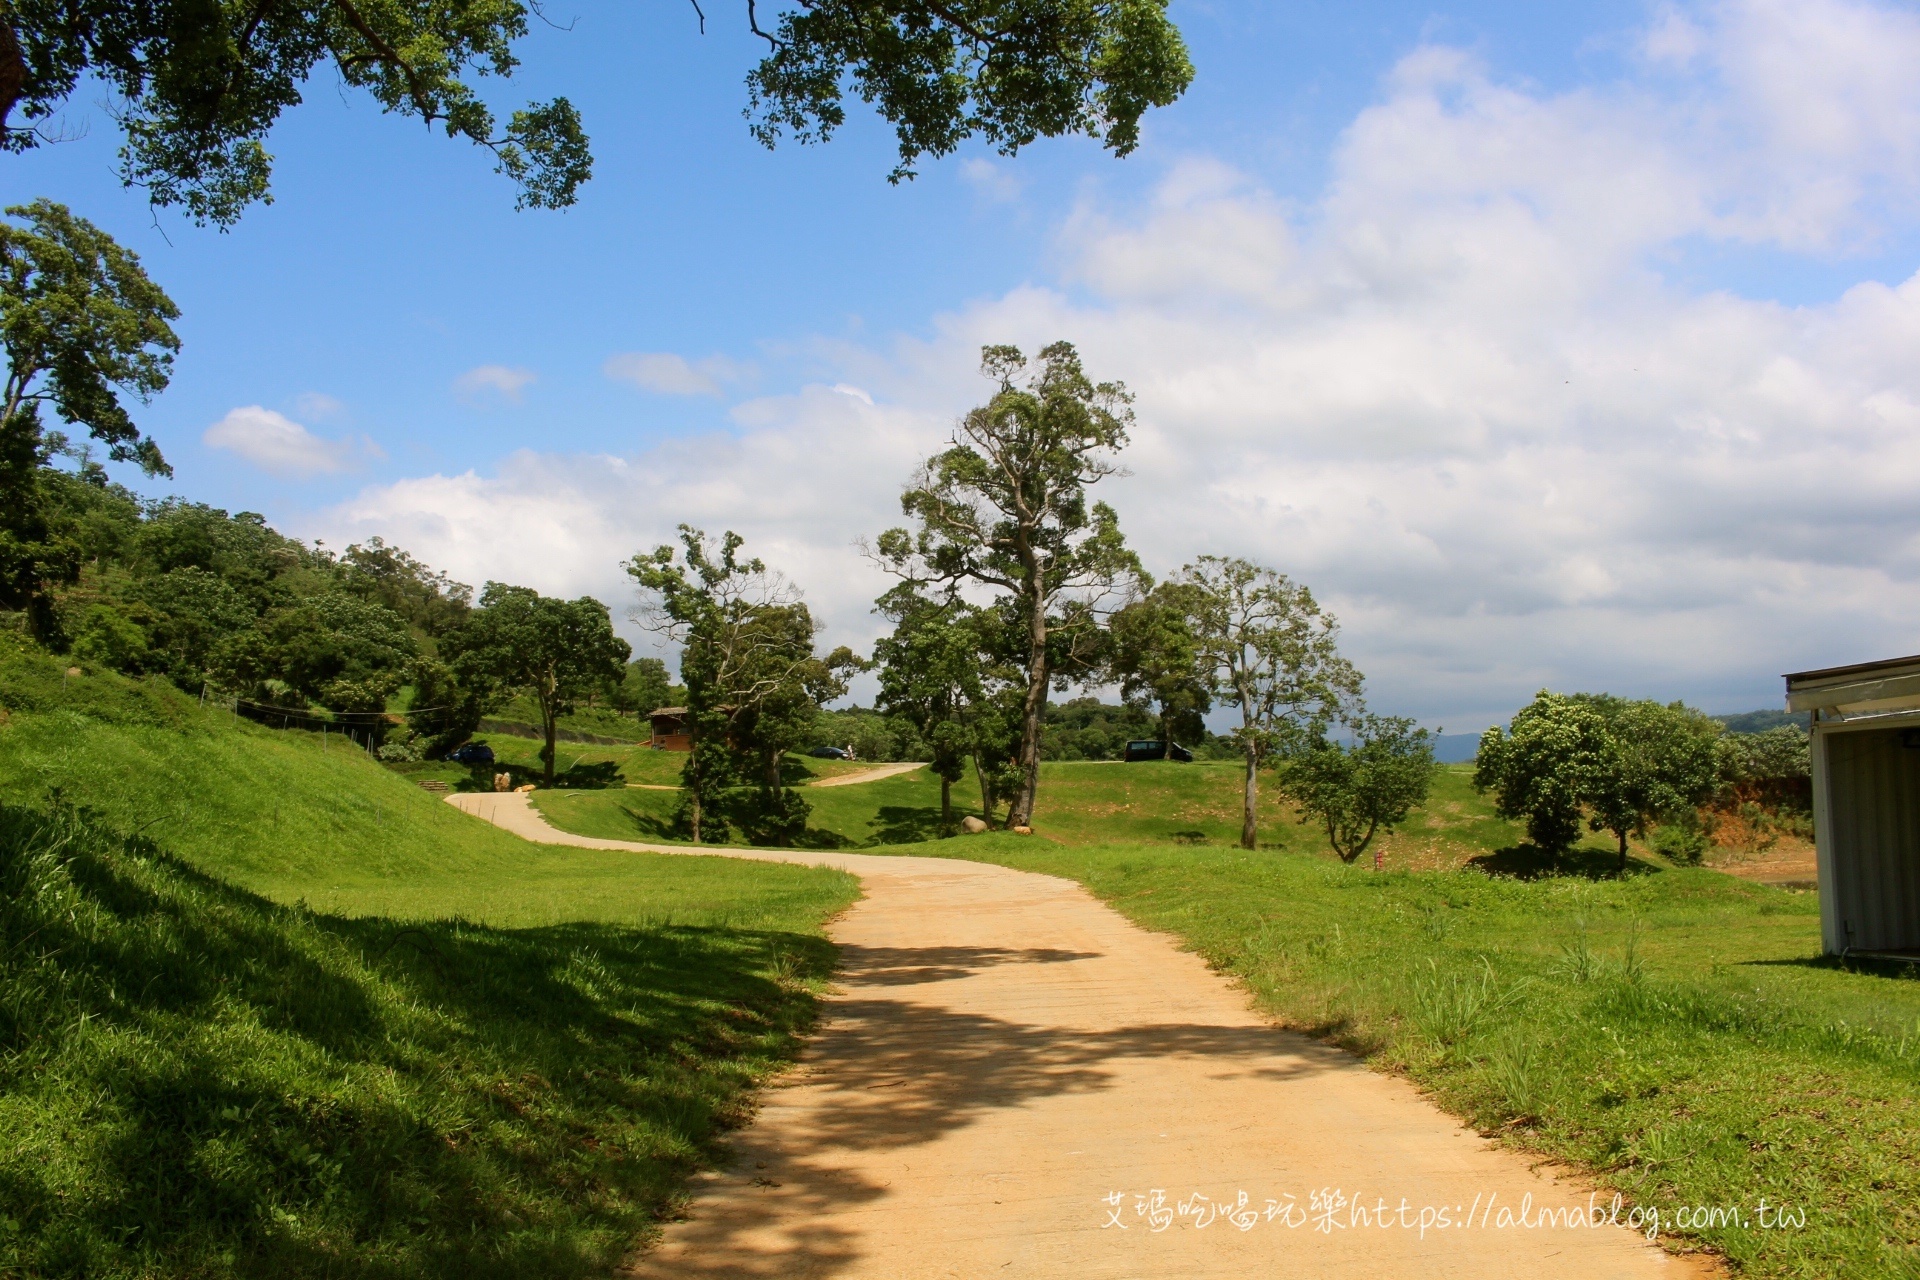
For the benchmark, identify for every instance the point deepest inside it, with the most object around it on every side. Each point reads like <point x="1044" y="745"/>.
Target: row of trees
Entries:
<point x="222" y="604"/>
<point x="1632" y="767"/>
<point x="1012" y="583"/>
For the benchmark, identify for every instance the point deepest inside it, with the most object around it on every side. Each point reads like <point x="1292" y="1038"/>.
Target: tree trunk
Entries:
<point x="1623" y="849"/>
<point x="550" y="721"/>
<point x="1020" y="813"/>
<point x="1249" y="826"/>
<point x="987" y="804"/>
<point x="690" y="775"/>
<point x="946" y="806"/>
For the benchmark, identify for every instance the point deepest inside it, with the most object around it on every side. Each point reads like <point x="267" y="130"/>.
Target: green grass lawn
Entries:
<point x="895" y="810"/>
<point x="271" y="1009"/>
<point x="1081" y="802"/>
<point x="1674" y="1031"/>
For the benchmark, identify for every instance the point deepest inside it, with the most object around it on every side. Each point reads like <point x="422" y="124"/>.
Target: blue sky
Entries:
<point x="1324" y="386"/>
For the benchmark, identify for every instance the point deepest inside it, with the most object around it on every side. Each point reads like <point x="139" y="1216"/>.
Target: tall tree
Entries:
<point x="1270" y="651"/>
<point x="430" y="601"/>
<point x="747" y="661"/>
<point x="199" y="84"/>
<point x="81" y="325"/>
<point x="552" y="650"/>
<point x="1006" y="507"/>
<point x="1155" y="659"/>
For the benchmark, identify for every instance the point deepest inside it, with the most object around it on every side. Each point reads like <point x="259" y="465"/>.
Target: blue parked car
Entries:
<point x="829" y="753"/>
<point x="472" y="753"/>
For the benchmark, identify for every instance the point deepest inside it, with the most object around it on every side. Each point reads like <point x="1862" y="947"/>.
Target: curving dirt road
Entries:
<point x="874" y="774"/>
<point x="1012" y="1080"/>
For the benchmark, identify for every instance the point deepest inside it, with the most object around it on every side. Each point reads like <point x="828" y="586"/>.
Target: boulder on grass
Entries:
<point x="972" y="825"/>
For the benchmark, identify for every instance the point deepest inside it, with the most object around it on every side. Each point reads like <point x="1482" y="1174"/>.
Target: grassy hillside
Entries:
<point x="288" y="816"/>
<point x="267" y="1008"/>
<point x="1675" y="1032"/>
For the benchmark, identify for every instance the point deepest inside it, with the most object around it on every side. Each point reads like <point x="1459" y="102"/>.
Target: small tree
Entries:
<point x="1358" y="791"/>
<point x="1269" y="650"/>
<point x="81" y="324"/>
<point x="1157" y="664"/>
<point x="553" y="650"/>
<point x="1006" y="507"/>
<point x="931" y="673"/>
<point x="753" y="681"/>
<point x="1619" y="764"/>
<point x="1660" y="763"/>
<point x="775" y="701"/>
<point x="1539" y="768"/>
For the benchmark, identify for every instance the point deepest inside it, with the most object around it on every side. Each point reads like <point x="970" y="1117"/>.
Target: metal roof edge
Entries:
<point x="1855" y="669"/>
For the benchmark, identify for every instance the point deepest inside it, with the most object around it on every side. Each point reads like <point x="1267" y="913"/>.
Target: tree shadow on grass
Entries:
<point x="908" y="824"/>
<point x="1530" y="862"/>
<point x="821" y="838"/>
<point x="592" y="777"/>
<point x="240" y="1088"/>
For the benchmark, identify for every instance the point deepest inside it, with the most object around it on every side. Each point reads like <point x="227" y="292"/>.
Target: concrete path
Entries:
<point x="1012" y="1080"/>
<point x="874" y="774"/>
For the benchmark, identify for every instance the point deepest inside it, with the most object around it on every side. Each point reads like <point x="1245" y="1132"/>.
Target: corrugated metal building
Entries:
<point x="1866" y="802"/>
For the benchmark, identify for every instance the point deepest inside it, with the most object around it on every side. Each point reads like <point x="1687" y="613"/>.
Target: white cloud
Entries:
<point x="276" y="443"/>
<point x="1455" y="393"/>
<point x="805" y="477"/>
<point x="668" y="374"/>
<point x="991" y="182"/>
<point x="317" y="404"/>
<point x="498" y="379"/>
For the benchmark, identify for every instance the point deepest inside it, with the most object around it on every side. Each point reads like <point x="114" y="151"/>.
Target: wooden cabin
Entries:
<point x="670" y="730"/>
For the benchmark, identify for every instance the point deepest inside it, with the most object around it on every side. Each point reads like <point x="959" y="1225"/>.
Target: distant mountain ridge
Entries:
<point x="1455" y="748"/>
<point x="1761" y="721"/>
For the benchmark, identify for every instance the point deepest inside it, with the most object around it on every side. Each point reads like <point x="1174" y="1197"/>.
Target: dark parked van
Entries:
<point x="1153" y="749"/>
